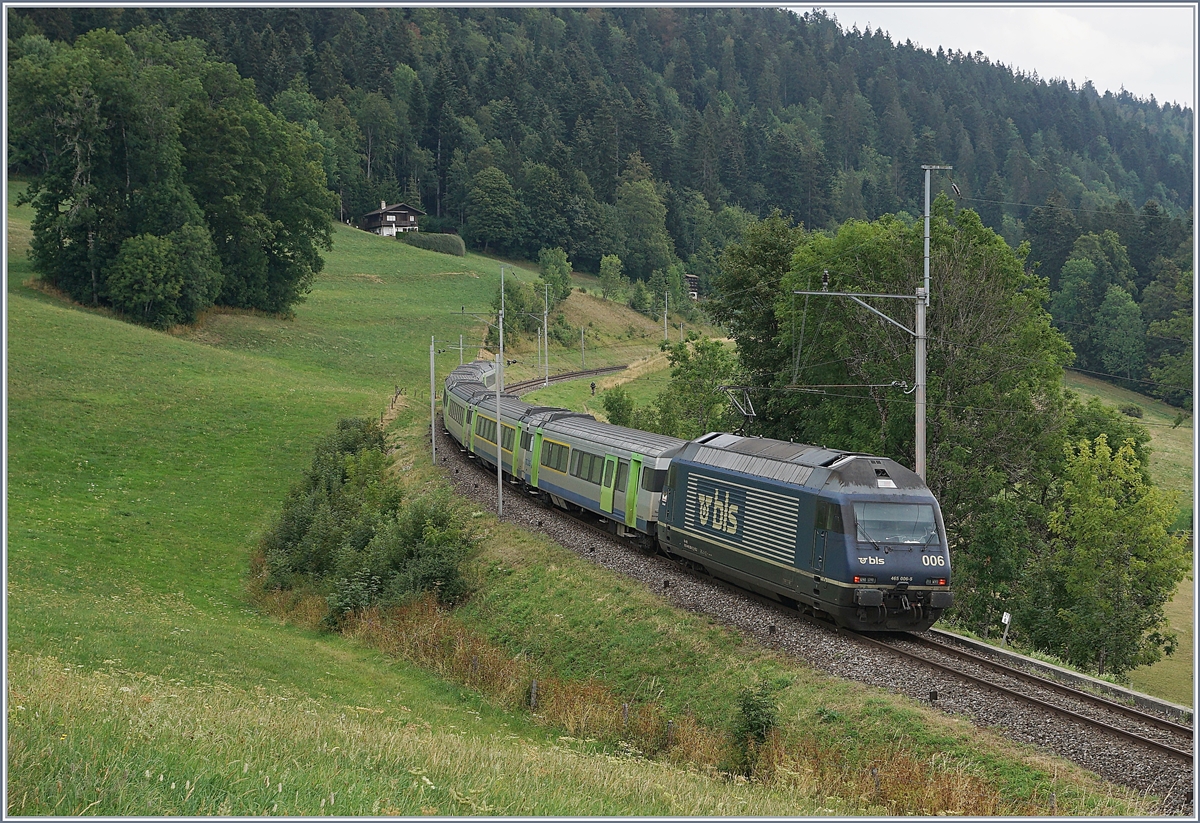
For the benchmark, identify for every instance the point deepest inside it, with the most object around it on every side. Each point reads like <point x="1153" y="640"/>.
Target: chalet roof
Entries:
<point x="395" y="207"/>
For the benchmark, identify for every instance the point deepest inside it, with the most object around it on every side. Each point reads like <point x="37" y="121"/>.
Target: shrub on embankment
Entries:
<point x="347" y="534"/>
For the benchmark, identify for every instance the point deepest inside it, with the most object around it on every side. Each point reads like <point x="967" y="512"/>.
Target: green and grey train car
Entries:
<point x="857" y="537"/>
<point x="613" y="471"/>
<point x="571" y="458"/>
<point x="464" y="389"/>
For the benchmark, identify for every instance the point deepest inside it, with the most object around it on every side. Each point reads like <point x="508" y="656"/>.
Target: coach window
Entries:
<point x="653" y="479"/>
<point x="622" y="476"/>
<point x="555" y="456"/>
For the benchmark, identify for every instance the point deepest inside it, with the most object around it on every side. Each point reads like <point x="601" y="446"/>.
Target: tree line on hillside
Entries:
<point x="1047" y="500"/>
<point x="1120" y="291"/>
<point x="646" y="136"/>
<point x="161" y="184"/>
<point x="519" y="128"/>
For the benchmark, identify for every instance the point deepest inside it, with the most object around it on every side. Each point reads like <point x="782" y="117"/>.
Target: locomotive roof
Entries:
<point x="799" y="463"/>
<point x="592" y="430"/>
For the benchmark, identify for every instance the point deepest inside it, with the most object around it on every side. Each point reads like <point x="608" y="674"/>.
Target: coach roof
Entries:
<point x="606" y="434"/>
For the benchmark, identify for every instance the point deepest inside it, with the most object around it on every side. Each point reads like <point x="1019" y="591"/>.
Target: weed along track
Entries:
<point x="1155" y="772"/>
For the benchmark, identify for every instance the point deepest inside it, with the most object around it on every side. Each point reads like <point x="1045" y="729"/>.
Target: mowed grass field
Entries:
<point x="142" y="469"/>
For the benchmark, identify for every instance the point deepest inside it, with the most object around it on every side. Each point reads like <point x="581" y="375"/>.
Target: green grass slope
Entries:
<point x="142" y="468"/>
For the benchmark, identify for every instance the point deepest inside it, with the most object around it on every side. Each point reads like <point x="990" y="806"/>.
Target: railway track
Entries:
<point x="1076" y="705"/>
<point x="525" y="386"/>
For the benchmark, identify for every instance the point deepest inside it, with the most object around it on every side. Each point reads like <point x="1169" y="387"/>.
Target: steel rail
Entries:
<point x="1132" y="737"/>
<point x="1060" y="688"/>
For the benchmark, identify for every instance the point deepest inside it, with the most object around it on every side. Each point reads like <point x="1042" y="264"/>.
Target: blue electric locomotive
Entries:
<point x="856" y="537"/>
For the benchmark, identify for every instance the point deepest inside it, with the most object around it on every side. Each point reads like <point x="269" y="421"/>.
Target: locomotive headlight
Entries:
<point x="862" y="579"/>
<point x="935" y="581"/>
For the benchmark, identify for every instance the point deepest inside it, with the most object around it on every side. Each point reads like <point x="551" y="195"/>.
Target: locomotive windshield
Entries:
<point x="896" y="522"/>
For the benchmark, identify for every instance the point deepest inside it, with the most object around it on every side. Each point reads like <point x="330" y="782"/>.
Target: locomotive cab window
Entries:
<point x="828" y="517"/>
<point x="903" y="523"/>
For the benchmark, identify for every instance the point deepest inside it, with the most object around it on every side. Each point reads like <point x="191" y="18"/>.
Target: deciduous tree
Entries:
<point x="612" y="281"/>
<point x="555" y="269"/>
<point x="1111" y="567"/>
<point x="1121" y="335"/>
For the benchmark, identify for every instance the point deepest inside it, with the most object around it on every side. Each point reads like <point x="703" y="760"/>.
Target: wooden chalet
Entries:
<point x="387" y="221"/>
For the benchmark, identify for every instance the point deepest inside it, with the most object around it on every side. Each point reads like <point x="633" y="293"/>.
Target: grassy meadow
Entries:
<point x="143" y="680"/>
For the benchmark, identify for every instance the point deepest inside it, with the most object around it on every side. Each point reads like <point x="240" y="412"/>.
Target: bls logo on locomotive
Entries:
<point x="718" y="513"/>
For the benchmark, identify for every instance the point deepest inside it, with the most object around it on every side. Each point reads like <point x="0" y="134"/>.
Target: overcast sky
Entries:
<point x="1148" y="48"/>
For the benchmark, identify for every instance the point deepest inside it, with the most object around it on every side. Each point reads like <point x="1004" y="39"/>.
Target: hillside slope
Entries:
<point x="142" y="469"/>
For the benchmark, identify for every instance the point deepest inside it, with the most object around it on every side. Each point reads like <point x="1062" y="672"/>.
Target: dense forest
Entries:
<point x="180" y="157"/>
<point x="656" y="135"/>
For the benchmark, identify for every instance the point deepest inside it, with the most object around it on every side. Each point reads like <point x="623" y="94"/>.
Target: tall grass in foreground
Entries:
<point x="815" y="769"/>
<point x="101" y="743"/>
